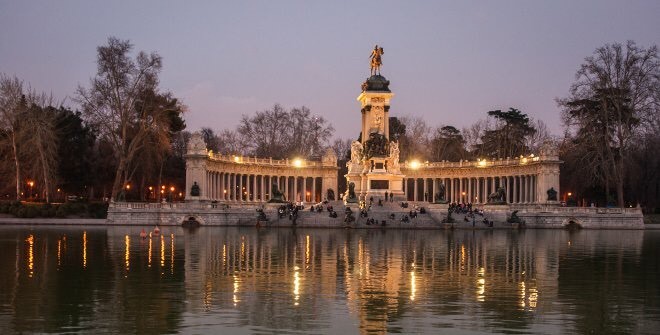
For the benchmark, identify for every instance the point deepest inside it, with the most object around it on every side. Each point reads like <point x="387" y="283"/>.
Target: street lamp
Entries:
<point x="31" y="183"/>
<point x="463" y="196"/>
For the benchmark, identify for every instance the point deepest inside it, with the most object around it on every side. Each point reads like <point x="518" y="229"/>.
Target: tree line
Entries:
<point x="128" y="138"/>
<point x="125" y="141"/>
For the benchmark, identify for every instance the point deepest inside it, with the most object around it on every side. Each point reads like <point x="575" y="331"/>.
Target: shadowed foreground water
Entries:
<point x="244" y="281"/>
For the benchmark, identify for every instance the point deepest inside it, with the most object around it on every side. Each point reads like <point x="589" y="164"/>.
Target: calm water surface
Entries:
<point x="245" y="281"/>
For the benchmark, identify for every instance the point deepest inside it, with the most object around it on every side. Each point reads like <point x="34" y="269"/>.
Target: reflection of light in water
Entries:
<point x="236" y="287"/>
<point x="30" y="241"/>
<point x="360" y="257"/>
<point x="172" y="253"/>
<point x="522" y="294"/>
<point x="150" y="248"/>
<point x="413" y="283"/>
<point x="296" y="285"/>
<point x="533" y="297"/>
<point x="84" y="249"/>
<point x="59" y="252"/>
<point x="240" y="260"/>
<point x="208" y="289"/>
<point x="224" y="255"/>
<point x="307" y="250"/>
<point x="127" y="252"/>
<point x="462" y="257"/>
<point x="481" y="285"/>
<point x="162" y="251"/>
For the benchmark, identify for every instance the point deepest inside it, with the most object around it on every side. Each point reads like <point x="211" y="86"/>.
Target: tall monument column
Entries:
<point x="374" y="166"/>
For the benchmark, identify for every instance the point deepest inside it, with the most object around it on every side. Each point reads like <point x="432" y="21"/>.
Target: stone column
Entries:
<point x="263" y="188"/>
<point x="479" y="195"/>
<point x="254" y="188"/>
<point x="527" y="189"/>
<point x="286" y="187"/>
<point x="514" y="191"/>
<point x="460" y="190"/>
<point x="305" y="188"/>
<point x="415" y="186"/>
<point x="506" y="189"/>
<point x="295" y="189"/>
<point x="492" y="180"/>
<point x="240" y="187"/>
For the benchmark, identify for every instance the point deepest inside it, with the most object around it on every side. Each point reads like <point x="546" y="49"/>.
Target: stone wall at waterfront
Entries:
<point x="210" y="214"/>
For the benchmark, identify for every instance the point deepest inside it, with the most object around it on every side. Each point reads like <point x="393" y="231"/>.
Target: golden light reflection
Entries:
<point x="172" y="253"/>
<point x="30" y="241"/>
<point x="208" y="291"/>
<point x="127" y="252"/>
<point x="236" y="288"/>
<point x="59" y="252"/>
<point x="413" y="284"/>
<point x="150" y="249"/>
<point x="523" y="294"/>
<point x="533" y="297"/>
<point x="462" y="257"/>
<point x="224" y="255"/>
<point x="162" y="251"/>
<point x="307" y="250"/>
<point x="84" y="249"/>
<point x="296" y="285"/>
<point x="481" y="285"/>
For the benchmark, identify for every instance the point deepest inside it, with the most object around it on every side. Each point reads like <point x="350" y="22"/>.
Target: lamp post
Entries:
<point x="171" y="191"/>
<point x="31" y="184"/>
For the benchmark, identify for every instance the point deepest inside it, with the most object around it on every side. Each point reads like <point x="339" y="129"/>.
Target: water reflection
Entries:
<point x="328" y="281"/>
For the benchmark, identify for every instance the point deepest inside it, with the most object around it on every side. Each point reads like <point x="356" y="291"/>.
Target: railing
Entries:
<point x="180" y="205"/>
<point x="478" y="163"/>
<point x="264" y="161"/>
<point x="577" y="210"/>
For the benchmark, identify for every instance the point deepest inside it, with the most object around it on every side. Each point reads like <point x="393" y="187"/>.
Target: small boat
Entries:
<point x="156" y="231"/>
<point x="143" y="234"/>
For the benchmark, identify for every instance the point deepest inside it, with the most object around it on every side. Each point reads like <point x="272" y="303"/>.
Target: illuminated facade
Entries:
<point x="251" y="180"/>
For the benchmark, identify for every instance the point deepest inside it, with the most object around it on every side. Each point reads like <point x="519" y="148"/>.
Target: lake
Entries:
<point x="285" y="281"/>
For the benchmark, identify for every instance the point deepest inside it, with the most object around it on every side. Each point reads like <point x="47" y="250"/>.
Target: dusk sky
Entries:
<point x="448" y="62"/>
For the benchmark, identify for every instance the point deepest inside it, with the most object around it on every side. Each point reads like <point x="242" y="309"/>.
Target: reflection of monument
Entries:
<point x="374" y="165"/>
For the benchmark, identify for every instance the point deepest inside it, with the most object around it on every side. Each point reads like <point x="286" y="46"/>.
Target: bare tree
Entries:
<point x="342" y="148"/>
<point x="414" y="144"/>
<point x="614" y="98"/>
<point x="279" y="133"/>
<point x="39" y="122"/>
<point x="473" y="135"/>
<point x="11" y="107"/>
<point x="110" y="101"/>
<point x="537" y="139"/>
<point x="229" y="142"/>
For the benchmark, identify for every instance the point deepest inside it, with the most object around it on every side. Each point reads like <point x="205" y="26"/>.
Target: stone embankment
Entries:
<point x="536" y="216"/>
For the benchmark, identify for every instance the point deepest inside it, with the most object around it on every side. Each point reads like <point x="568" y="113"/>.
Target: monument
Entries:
<point x="374" y="166"/>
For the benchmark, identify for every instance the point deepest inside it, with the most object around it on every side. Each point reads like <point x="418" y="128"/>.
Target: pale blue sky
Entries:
<point x="449" y="62"/>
